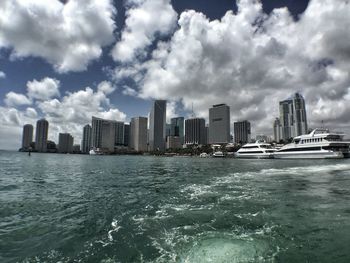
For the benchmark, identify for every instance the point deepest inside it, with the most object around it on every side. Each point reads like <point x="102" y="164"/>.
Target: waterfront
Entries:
<point x="74" y="208"/>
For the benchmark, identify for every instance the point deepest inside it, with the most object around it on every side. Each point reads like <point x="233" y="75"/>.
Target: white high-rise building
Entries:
<point x="157" y="126"/>
<point x="138" y="134"/>
<point x="41" y="132"/>
<point x="219" y="124"/>
<point x="27" y="137"/>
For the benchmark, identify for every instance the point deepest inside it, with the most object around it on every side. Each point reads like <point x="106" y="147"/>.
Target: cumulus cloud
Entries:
<point x="16" y="99"/>
<point x="43" y="89"/>
<point x="251" y="61"/>
<point x="145" y="19"/>
<point x="68" y="35"/>
<point x="65" y="114"/>
<point x="2" y="75"/>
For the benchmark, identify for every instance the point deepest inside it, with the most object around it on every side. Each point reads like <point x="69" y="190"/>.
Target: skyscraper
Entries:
<point x="27" y="137"/>
<point x="42" y="129"/>
<point x="86" y="142"/>
<point x="119" y="133"/>
<point x="157" y="126"/>
<point x="242" y="132"/>
<point x="293" y="117"/>
<point x="299" y="116"/>
<point x="138" y="134"/>
<point x="277" y="130"/>
<point x="126" y="134"/>
<point x="219" y="124"/>
<point x="177" y="128"/>
<point x="286" y="118"/>
<point x="65" y="143"/>
<point x="106" y="134"/>
<point x="195" y="131"/>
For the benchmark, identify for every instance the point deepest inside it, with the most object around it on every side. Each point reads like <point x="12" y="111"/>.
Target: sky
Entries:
<point x="67" y="60"/>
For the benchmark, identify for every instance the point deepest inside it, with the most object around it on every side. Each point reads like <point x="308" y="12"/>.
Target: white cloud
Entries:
<point x="2" y="75"/>
<point x="129" y="91"/>
<point x="43" y="89"/>
<point x="68" y="36"/>
<point x="251" y="61"/>
<point x="106" y="87"/>
<point x="67" y="114"/>
<point x="145" y="19"/>
<point x="16" y="99"/>
<point x="11" y="123"/>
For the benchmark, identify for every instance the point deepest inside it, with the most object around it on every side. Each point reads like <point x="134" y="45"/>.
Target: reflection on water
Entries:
<point x="72" y="208"/>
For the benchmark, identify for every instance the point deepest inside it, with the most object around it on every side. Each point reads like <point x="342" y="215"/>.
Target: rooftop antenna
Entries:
<point x="192" y="111"/>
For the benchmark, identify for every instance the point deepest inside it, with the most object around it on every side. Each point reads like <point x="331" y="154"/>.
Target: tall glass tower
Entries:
<point x="157" y="126"/>
<point x="42" y="129"/>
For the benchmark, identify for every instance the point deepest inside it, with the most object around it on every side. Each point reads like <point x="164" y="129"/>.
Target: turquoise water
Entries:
<point x="75" y="208"/>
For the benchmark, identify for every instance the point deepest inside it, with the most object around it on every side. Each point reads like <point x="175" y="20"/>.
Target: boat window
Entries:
<point x="301" y="149"/>
<point x="296" y="140"/>
<point x="250" y="147"/>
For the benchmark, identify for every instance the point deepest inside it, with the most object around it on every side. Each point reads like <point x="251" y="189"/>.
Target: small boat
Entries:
<point x="319" y="144"/>
<point x="95" y="151"/>
<point x="257" y="150"/>
<point x="218" y="154"/>
<point x="203" y="155"/>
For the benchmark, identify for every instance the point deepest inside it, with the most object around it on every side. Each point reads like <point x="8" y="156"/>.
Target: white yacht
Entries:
<point x="96" y="151"/>
<point x="319" y="144"/>
<point x="257" y="150"/>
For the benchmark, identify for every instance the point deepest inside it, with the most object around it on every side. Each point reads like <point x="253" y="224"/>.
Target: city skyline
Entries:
<point x="159" y="134"/>
<point x="116" y="66"/>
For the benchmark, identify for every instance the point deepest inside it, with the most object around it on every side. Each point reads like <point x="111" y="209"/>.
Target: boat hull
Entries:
<point x="309" y="155"/>
<point x="254" y="156"/>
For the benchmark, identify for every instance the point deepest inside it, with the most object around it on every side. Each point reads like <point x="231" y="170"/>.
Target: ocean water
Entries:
<point x="75" y="208"/>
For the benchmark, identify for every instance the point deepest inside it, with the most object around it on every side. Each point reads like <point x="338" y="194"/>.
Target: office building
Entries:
<point x="219" y="124"/>
<point x="293" y="117"/>
<point x="27" y="137"/>
<point x="286" y="119"/>
<point x="167" y="129"/>
<point x="107" y="134"/>
<point x="242" y="132"/>
<point x="195" y="131"/>
<point x="277" y="130"/>
<point x="299" y="115"/>
<point x="173" y="142"/>
<point x="86" y="142"/>
<point x="177" y="128"/>
<point x="126" y="134"/>
<point x="41" y="132"/>
<point x="65" y="143"/>
<point x="138" y="134"/>
<point x="157" y="126"/>
<point x="119" y="133"/>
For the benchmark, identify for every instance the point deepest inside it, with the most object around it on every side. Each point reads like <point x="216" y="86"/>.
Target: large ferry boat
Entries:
<point x="319" y="144"/>
<point x="257" y="150"/>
